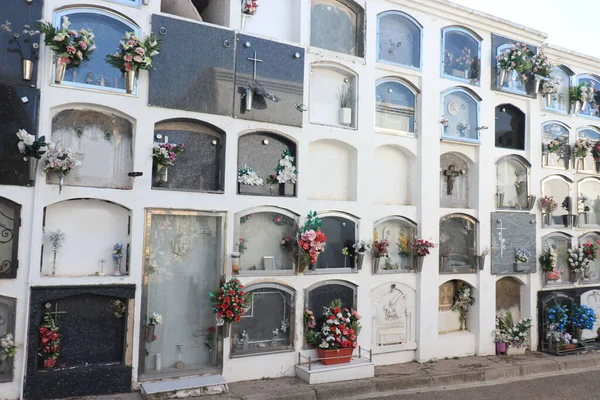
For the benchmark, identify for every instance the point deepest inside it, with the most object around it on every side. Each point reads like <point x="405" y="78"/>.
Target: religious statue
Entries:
<point x="451" y="173"/>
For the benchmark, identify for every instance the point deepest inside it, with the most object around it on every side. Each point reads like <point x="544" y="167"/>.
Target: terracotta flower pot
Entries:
<point x="332" y="357"/>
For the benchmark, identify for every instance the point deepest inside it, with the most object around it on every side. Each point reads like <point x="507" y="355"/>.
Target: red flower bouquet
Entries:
<point x="229" y="301"/>
<point x="339" y="331"/>
<point x="420" y="247"/>
<point x="311" y="240"/>
<point x="49" y="341"/>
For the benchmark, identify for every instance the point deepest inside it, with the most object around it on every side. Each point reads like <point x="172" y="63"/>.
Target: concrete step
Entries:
<point x="357" y="368"/>
<point x="184" y="387"/>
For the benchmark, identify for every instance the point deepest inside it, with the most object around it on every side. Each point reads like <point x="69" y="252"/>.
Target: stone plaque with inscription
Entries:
<point x="510" y="232"/>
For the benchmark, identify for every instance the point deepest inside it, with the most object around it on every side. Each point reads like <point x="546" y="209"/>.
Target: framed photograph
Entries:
<point x="269" y="263"/>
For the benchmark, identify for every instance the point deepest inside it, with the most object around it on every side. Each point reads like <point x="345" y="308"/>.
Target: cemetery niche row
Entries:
<point x="558" y="152"/>
<point x="577" y="206"/>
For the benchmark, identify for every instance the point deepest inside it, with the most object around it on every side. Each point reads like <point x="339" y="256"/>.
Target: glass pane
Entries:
<point x="560" y="101"/>
<point x="266" y="241"/>
<point x="512" y="183"/>
<point x="266" y="325"/>
<point x="512" y="80"/>
<point x="326" y="14"/>
<point x="457" y="239"/>
<point x="340" y="232"/>
<point x="591" y="109"/>
<point x="593" y="274"/>
<point x="461" y="56"/>
<point x="559" y="189"/>
<point x="7" y="325"/>
<point x="589" y="203"/>
<point x="399" y="40"/>
<point x="184" y="264"/>
<point x="322" y="296"/>
<point x="108" y="32"/>
<point x="561" y="245"/>
<point x="594" y="137"/>
<point x="460" y="110"/>
<point x="510" y="127"/>
<point x="399" y="234"/>
<point x="8" y="241"/>
<point x="395" y="107"/>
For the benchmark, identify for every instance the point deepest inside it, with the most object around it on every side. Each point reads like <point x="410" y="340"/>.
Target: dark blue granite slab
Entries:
<point x="194" y="71"/>
<point x="19" y="13"/>
<point x="18" y="110"/>
<point x="512" y="230"/>
<point x="280" y="71"/>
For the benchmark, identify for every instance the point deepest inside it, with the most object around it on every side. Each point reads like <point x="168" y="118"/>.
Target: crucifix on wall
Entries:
<point x="451" y="174"/>
<point x="255" y="87"/>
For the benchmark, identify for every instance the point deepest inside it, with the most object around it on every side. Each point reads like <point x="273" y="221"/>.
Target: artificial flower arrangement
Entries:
<point x="566" y="204"/>
<point x="362" y="246"/>
<point x="286" y="170"/>
<point x="582" y="147"/>
<point x="117" y="256"/>
<point x="559" y="146"/>
<point x="165" y="154"/>
<point x="587" y="93"/>
<point x="583" y="317"/>
<point x="8" y="348"/>
<point x="70" y="47"/>
<point x="379" y="248"/>
<point x="287" y="243"/>
<point x="549" y="88"/>
<point x="584" y="203"/>
<point x="420" y="247"/>
<point x="249" y="7"/>
<point x="229" y="301"/>
<point x="119" y="307"/>
<point x="156" y="319"/>
<point x="49" y="341"/>
<point x="463" y="300"/>
<point x="522" y="255"/>
<point x="463" y="128"/>
<point x="541" y="67"/>
<point x="309" y="319"/>
<point x="134" y="54"/>
<point x="548" y="204"/>
<point x="61" y="161"/>
<point x="548" y="263"/>
<point x="403" y="245"/>
<point x="30" y="43"/>
<point x="242" y="245"/>
<point x="515" y="58"/>
<point x="464" y="62"/>
<point x="596" y="151"/>
<point x="311" y="240"/>
<point x="31" y="147"/>
<point x="247" y="176"/>
<point x="590" y="250"/>
<point x="577" y="259"/>
<point x="339" y="330"/>
<point x="556" y="322"/>
<point x="511" y="333"/>
<point x="444" y="121"/>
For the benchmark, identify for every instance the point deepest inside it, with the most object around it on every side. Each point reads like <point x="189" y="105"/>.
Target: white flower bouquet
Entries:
<point x="247" y="176"/>
<point x="31" y="147"/>
<point x="577" y="259"/>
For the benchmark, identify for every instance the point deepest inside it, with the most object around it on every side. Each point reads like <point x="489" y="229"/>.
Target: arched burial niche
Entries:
<point x="262" y="152"/>
<point x="588" y="202"/>
<point x="106" y="141"/>
<point x="462" y="55"/>
<point x="91" y="228"/>
<point x="510" y="127"/>
<point x="455" y="181"/>
<point x="512" y="81"/>
<point x="395" y="106"/>
<point x="321" y="294"/>
<point x="342" y="231"/>
<point x="200" y="167"/>
<point x="460" y="115"/>
<point x="513" y="181"/>
<point x="348" y="19"/>
<point x="333" y="95"/>
<point x="590" y="108"/>
<point x="559" y="102"/>
<point x="10" y="223"/>
<point x="399" y="231"/>
<point x="393" y="306"/>
<point x="398" y="166"/>
<point x="339" y="159"/>
<point x="547" y="339"/>
<point x="398" y="39"/>
<point x="559" y="243"/>
<point x="108" y="27"/>
<point x="449" y="320"/>
<point x="458" y="241"/>
<point x="559" y="187"/>
<point x="589" y="166"/>
<point x="8" y="307"/>
<point x="265" y="239"/>
<point x="509" y="295"/>
<point x="591" y="275"/>
<point x="556" y="148"/>
<point x="268" y="325"/>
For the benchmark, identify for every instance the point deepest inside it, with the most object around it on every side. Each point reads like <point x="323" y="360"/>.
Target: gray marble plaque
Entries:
<point x="201" y="78"/>
<point x="511" y="231"/>
<point x="279" y="71"/>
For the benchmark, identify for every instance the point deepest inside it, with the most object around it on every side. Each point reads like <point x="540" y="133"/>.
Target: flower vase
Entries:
<point x="520" y="266"/>
<point x="345" y="116"/>
<point x="150" y="333"/>
<point x="404" y="261"/>
<point x="27" y="69"/>
<point x="545" y="159"/>
<point x="502" y="77"/>
<point x="129" y="81"/>
<point x="586" y="273"/>
<point x="500" y="199"/>
<point x="312" y="267"/>
<point x="548" y="219"/>
<point x="583" y="106"/>
<point x="162" y="174"/>
<point x="548" y="100"/>
<point x="443" y="263"/>
<point x="375" y="264"/>
<point x="574" y="219"/>
<point x="418" y="263"/>
<point x="531" y="201"/>
<point x="117" y="271"/>
<point x="244" y="20"/>
<point x="548" y="278"/>
<point x="54" y="264"/>
<point x="586" y="217"/>
<point x="537" y="85"/>
<point x="500" y="348"/>
<point x="61" y="182"/>
<point x="463" y="323"/>
<point x="301" y="267"/>
<point x="580" y="164"/>
<point x="575" y="108"/>
<point x="225" y="329"/>
<point x="33" y="164"/>
<point x="360" y="257"/>
<point x="59" y="72"/>
<point x="566" y="220"/>
<point x="480" y="262"/>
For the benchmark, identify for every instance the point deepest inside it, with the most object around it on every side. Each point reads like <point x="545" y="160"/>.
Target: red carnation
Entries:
<point x="49" y="363"/>
<point x="238" y="318"/>
<point x="336" y="310"/>
<point x="229" y="313"/>
<point x="219" y="314"/>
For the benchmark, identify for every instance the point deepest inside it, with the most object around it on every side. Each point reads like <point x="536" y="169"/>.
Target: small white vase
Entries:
<point x="345" y="116"/>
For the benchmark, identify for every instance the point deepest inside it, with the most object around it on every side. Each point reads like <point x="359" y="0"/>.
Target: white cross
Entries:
<point x="500" y="236"/>
<point x="255" y="60"/>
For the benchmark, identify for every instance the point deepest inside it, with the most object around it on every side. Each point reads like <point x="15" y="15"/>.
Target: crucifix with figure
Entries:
<point x="451" y="174"/>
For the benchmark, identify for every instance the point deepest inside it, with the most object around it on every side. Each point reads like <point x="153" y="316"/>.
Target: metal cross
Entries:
<point x="501" y="230"/>
<point x="255" y="60"/>
<point x="55" y="312"/>
<point x="102" y="261"/>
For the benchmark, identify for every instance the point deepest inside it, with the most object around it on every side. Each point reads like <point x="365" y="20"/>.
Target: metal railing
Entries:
<point x="359" y="355"/>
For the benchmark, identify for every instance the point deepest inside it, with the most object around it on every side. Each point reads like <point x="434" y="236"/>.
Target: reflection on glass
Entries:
<point x="591" y="108"/>
<point x="555" y="145"/>
<point x="512" y="180"/>
<point x="560" y="101"/>
<point x="341" y="233"/>
<point x="510" y="127"/>
<point x="513" y="82"/>
<point x="594" y="136"/>
<point x="461" y="111"/>
<point x="395" y="107"/>
<point x="184" y="263"/>
<point x="399" y="234"/>
<point x="399" y="40"/>
<point x="457" y="242"/>
<point x="589" y="203"/>
<point x="561" y="244"/>
<point x="461" y="56"/>
<point x="593" y="273"/>
<point x="266" y="242"/>
<point x="326" y="14"/>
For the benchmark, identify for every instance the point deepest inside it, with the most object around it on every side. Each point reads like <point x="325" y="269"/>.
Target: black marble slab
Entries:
<point x="498" y="41"/>
<point x="93" y="344"/>
<point x="512" y="230"/>
<point x="194" y="71"/>
<point x="19" y="13"/>
<point x="18" y="110"/>
<point x="322" y="296"/>
<point x="281" y="71"/>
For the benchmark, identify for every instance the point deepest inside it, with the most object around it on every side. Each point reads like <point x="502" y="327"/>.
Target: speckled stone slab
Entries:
<point x="511" y="230"/>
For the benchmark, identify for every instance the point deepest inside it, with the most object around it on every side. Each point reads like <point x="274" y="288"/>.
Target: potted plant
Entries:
<point x="513" y="336"/>
<point x="548" y="205"/>
<point x="583" y="317"/>
<point x="590" y="252"/>
<point x="336" y="338"/>
<point x="311" y="242"/>
<point x="32" y="149"/>
<point x="583" y="208"/>
<point x="346" y="100"/>
<point x="521" y="258"/>
<point x="134" y="54"/>
<point x="541" y="68"/>
<point x="153" y="321"/>
<point x="163" y="156"/>
<point x="463" y="300"/>
<point x="577" y="262"/>
<point x="548" y="263"/>
<point x="379" y="249"/>
<point x="229" y="303"/>
<point x="581" y="149"/>
<point x="512" y="59"/>
<point x="403" y="249"/>
<point x="70" y="47"/>
<point x="30" y="41"/>
<point x="360" y="247"/>
<point x="420" y="249"/>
